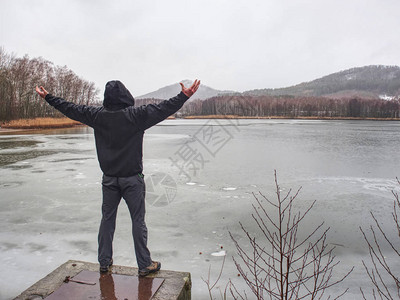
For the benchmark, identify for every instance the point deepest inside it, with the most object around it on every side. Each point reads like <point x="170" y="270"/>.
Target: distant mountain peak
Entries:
<point x="187" y="82"/>
<point x="172" y="90"/>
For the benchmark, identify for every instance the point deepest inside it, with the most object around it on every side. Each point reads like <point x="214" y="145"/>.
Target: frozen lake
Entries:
<point x="200" y="176"/>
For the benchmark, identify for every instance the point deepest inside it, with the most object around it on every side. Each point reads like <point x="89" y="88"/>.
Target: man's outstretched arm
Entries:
<point x="81" y="113"/>
<point x="155" y="113"/>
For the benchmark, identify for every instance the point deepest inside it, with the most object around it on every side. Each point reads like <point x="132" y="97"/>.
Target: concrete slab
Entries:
<point x="176" y="285"/>
<point x="92" y="285"/>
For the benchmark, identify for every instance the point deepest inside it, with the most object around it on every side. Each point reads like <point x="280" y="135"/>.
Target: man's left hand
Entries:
<point x="190" y="91"/>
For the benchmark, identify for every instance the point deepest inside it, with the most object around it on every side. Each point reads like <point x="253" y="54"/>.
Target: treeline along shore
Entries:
<point x="288" y="107"/>
<point x="22" y="108"/>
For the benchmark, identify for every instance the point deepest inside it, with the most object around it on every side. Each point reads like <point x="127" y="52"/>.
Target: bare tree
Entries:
<point x="279" y="264"/>
<point x="18" y="78"/>
<point x="385" y="278"/>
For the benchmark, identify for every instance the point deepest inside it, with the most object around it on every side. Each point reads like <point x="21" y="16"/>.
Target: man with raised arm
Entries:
<point x="118" y="129"/>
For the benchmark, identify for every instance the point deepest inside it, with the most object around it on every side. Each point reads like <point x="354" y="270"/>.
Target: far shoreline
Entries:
<point x="287" y="118"/>
<point x="19" y="127"/>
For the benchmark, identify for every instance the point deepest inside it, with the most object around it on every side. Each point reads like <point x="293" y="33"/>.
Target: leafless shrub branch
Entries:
<point x="279" y="264"/>
<point x="380" y="272"/>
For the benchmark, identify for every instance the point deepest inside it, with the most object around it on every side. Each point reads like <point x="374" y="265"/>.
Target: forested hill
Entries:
<point x="364" y="82"/>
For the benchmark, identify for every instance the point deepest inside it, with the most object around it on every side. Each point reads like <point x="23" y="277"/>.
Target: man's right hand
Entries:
<point x="41" y="91"/>
<point x="190" y="91"/>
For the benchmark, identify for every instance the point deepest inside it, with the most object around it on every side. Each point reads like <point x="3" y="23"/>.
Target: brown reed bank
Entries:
<point x="40" y="123"/>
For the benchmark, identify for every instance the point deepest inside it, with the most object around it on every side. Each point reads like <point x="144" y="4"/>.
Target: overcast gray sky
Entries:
<point x="235" y="45"/>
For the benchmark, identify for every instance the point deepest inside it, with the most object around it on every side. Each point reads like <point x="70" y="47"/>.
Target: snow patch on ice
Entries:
<point x="229" y="188"/>
<point x="219" y="253"/>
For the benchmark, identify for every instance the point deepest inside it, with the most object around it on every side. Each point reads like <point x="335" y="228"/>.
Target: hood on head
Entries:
<point x="117" y="96"/>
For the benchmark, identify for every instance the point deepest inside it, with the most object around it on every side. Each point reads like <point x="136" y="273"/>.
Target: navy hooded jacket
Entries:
<point x="119" y="126"/>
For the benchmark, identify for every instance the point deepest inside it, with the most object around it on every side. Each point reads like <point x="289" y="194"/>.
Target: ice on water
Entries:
<point x="50" y="195"/>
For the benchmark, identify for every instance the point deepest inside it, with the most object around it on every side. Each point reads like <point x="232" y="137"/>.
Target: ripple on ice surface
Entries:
<point x="10" y="184"/>
<point x="80" y="176"/>
<point x="376" y="184"/>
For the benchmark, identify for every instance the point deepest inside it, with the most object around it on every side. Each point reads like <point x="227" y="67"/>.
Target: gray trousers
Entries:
<point x="133" y="190"/>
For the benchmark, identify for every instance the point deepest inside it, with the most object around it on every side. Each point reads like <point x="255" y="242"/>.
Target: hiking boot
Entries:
<point x="104" y="269"/>
<point x="154" y="267"/>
